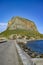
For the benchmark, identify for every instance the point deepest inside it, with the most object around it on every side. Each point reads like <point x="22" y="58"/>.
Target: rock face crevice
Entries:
<point x="21" y="23"/>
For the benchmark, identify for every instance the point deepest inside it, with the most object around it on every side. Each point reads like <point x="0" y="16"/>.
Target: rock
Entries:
<point x="13" y="36"/>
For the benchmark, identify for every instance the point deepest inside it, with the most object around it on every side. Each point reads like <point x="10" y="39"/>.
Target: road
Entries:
<point x="8" y="54"/>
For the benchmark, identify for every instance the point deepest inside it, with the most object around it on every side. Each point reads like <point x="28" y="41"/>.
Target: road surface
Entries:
<point x="8" y="54"/>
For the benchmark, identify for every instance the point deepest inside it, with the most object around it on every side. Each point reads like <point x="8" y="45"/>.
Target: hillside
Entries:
<point x="22" y="26"/>
<point x="21" y="23"/>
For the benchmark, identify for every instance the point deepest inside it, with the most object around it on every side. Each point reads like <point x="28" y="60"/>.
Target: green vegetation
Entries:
<point x="32" y="32"/>
<point x="29" y="34"/>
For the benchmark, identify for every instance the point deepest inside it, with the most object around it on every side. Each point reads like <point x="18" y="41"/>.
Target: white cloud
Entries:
<point x="3" y="26"/>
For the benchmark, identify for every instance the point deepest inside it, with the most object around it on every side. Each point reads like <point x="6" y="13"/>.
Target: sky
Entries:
<point x="30" y="9"/>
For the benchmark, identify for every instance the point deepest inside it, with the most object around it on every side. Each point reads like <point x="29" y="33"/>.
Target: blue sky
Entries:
<point x="30" y="9"/>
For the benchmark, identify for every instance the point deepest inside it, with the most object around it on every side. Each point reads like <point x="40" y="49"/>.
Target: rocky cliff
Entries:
<point x="22" y="26"/>
<point x="21" y="23"/>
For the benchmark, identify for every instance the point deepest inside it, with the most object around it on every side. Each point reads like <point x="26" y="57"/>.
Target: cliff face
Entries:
<point x="21" y="23"/>
<point x="22" y="26"/>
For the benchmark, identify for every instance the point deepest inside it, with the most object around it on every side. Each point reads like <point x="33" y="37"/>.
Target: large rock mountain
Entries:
<point x="21" y="26"/>
<point x="21" y="23"/>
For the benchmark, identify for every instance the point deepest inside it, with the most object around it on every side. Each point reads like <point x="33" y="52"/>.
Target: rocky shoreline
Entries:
<point x="31" y="53"/>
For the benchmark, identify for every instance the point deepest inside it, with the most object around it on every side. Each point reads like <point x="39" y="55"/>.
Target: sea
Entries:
<point x="36" y="46"/>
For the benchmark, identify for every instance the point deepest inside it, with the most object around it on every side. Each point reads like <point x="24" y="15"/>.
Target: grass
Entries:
<point x="34" y="34"/>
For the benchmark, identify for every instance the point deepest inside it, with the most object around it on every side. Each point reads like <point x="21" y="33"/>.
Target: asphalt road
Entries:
<point x="8" y="54"/>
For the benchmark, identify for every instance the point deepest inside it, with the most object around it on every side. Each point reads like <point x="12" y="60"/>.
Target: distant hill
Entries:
<point x="22" y="26"/>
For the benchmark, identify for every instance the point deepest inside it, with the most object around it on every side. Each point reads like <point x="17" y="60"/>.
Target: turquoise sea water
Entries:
<point x="36" y="46"/>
